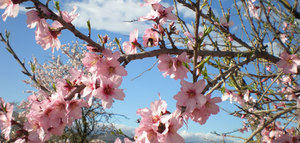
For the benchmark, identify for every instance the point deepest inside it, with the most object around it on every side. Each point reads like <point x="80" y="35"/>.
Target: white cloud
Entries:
<point x="110" y="15"/>
<point x="186" y="12"/>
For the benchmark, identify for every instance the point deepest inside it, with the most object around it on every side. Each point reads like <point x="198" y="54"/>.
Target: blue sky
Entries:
<point x="139" y="92"/>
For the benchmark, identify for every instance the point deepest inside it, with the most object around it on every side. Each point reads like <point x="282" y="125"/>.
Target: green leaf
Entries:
<point x="54" y="87"/>
<point x="32" y="66"/>
<point x="7" y="34"/>
<point x="56" y="3"/>
<point x="186" y="65"/>
<point x="222" y="89"/>
<point x="204" y="73"/>
<point x="89" y="24"/>
<point x="68" y="82"/>
<point x="117" y="41"/>
<point x="201" y="64"/>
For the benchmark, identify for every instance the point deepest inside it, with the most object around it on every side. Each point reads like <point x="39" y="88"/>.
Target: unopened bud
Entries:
<point x="105" y="39"/>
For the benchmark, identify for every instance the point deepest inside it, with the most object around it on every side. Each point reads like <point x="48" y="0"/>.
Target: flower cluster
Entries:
<point x="173" y="66"/>
<point x="6" y="111"/>
<point x="46" y="35"/>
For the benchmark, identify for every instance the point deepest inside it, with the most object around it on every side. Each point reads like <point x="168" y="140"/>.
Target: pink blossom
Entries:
<point x="69" y="17"/>
<point x="74" y="109"/>
<point x="91" y="83"/>
<point x="150" y="122"/>
<point x="75" y="76"/>
<point x="47" y="37"/>
<point x="32" y="18"/>
<point x="164" y="13"/>
<point x="6" y="111"/>
<point x="172" y="123"/>
<point x="191" y="39"/>
<point x="12" y="8"/>
<point x="126" y="140"/>
<point x="240" y="98"/>
<point x="159" y="14"/>
<point x="63" y="86"/>
<point x="224" y="22"/>
<point x="190" y="95"/>
<point x="180" y="71"/>
<point x="288" y="63"/>
<point x="202" y="113"/>
<point x="152" y="15"/>
<point x="248" y="98"/>
<point x="287" y="139"/>
<point x="130" y="46"/>
<point x="110" y="66"/>
<point x="268" y="67"/>
<point x="173" y="66"/>
<point x="91" y="61"/>
<point x="165" y="64"/>
<point x="150" y="38"/>
<point x="109" y="89"/>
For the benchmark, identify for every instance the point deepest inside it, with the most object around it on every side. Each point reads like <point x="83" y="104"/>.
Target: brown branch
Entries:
<point x="154" y="53"/>
<point x="222" y="29"/>
<point x="68" y="26"/>
<point x="25" y="71"/>
<point x="277" y="115"/>
<point x="216" y="79"/>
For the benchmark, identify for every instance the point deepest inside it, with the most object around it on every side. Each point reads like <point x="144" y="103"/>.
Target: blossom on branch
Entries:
<point x="150" y="38"/>
<point x="288" y="63"/>
<point x="130" y="46"/>
<point x="6" y="111"/>
<point x="190" y="95"/>
<point x="173" y="66"/>
<point x="12" y="8"/>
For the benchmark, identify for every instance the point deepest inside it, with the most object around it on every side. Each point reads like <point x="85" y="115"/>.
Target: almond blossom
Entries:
<point x="157" y="125"/>
<point x="109" y="89"/>
<point x="191" y="39"/>
<point x="6" y="111"/>
<point x="190" y="95"/>
<point x="164" y="13"/>
<point x="91" y="61"/>
<point x="288" y="63"/>
<point x="172" y="123"/>
<point x="129" y="47"/>
<point x="12" y="8"/>
<point x="173" y="66"/>
<point x="180" y="71"/>
<point x="224" y="22"/>
<point x="149" y="123"/>
<point x="110" y="66"/>
<point x="74" y="110"/>
<point x="202" y="113"/>
<point x="47" y="37"/>
<point x="150" y="38"/>
<point x="92" y="83"/>
<point x="126" y="140"/>
<point x="69" y="17"/>
<point x="159" y="14"/>
<point x="165" y="64"/>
